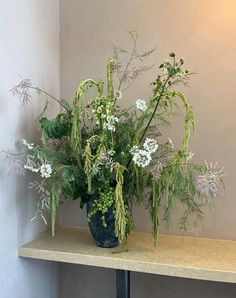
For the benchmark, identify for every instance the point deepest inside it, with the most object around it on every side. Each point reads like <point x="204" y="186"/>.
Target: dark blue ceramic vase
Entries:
<point x="103" y="236"/>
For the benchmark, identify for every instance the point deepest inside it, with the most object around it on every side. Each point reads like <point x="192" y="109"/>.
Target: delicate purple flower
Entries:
<point x="15" y="165"/>
<point x="208" y="184"/>
<point x="158" y="171"/>
<point x="22" y="90"/>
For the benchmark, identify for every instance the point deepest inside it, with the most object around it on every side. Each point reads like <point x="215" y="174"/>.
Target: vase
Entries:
<point x="104" y="236"/>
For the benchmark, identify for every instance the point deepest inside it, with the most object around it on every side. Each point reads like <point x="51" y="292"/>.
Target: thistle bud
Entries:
<point x="181" y="61"/>
<point x="162" y="65"/>
<point x="172" y="54"/>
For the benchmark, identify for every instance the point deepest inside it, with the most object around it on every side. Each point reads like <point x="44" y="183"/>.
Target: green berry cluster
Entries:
<point x="102" y="204"/>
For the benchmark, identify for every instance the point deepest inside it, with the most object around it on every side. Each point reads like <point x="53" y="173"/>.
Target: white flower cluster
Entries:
<point x="141" y="104"/>
<point x="150" y="145"/>
<point x="30" y="146"/>
<point x="142" y="157"/>
<point x="102" y="108"/>
<point x="110" y="123"/>
<point x="31" y="168"/>
<point x="45" y="169"/>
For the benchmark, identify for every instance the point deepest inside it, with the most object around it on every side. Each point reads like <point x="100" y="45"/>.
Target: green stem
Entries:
<point x="110" y="89"/>
<point x="155" y="109"/>
<point x="50" y="95"/>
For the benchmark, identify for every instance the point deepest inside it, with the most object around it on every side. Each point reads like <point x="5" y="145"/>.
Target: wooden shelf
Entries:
<point x="188" y="257"/>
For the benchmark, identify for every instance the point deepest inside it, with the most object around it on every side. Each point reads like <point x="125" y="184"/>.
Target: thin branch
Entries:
<point x="129" y="62"/>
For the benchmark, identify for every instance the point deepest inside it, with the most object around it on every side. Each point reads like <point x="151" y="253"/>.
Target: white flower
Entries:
<point x="109" y="126"/>
<point x="30" y="146"/>
<point x="190" y="155"/>
<point x="171" y="143"/>
<point x="142" y="158"/>
<point x="31" y="168"/>
<point x="111" y="152"/>
<point x="46" y="170"/>
<point x="150" y="145"/>
<point x="141" y="104"/>
<point x="133" y="149"/>
<point x="117" y="94"/>
<point x="112" y="119"/>
<point x="110" y="123"/>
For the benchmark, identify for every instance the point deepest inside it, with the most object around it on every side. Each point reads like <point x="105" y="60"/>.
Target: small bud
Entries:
<point x="181" y="61"/>
<point x="186" y="71"/>
<point x="169" y="83"/>
<point x="162" y="65"/>
<point x="172" y="54"/>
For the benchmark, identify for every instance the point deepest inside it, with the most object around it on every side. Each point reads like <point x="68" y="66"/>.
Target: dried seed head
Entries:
<point x="172" y="54"/>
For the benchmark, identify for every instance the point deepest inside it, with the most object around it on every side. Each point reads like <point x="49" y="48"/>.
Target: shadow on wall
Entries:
<point x="90" y="280"/>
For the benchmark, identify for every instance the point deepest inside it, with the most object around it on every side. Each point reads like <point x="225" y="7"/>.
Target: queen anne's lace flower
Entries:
<point x="46" y="170"/>
<point x="150" y="145"/>
<point x="141" y="104"/>
<point x="133" y="149"/>
<point x="141" y="158"/>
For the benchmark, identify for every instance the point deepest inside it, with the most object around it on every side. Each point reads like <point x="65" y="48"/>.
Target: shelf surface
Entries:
<point x="198" y="258"/>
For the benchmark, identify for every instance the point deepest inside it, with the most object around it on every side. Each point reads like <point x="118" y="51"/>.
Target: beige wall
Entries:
<point x="29" y="46"/>
<point x="204" y="33"/>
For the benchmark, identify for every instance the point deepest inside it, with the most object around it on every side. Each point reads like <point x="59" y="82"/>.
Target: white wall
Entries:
<point x="204" y="33"/>
<point x="29" y="45"/>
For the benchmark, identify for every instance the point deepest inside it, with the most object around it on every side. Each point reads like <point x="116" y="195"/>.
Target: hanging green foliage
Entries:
<point x="56" y="128"/>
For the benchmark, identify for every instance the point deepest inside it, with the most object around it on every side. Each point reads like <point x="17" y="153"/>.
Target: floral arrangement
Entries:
<point x="96" y="147"/>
